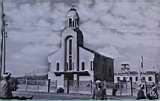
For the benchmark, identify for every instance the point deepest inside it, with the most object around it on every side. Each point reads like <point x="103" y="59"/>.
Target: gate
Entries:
<point x="84" y="87"/>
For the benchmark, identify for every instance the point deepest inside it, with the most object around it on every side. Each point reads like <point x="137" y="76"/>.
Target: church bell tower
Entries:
<point x="72" y="19"/>
<point x="72" y="38"/>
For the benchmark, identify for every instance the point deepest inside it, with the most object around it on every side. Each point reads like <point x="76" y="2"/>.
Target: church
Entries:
<point x="74" y="61"/>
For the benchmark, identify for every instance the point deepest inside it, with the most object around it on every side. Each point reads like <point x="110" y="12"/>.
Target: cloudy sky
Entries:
<point x="122" y="29"/>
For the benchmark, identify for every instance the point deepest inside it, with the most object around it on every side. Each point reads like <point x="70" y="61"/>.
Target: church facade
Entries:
<point x="73" y="61"/>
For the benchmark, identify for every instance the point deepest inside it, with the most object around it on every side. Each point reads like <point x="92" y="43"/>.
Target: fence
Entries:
<point x="123" y="88"/>
<point x="36" y="85"/>
<point x="73" y="86"/>
<point x="83" y="87"/>
<point x="86" y="87"/>
<point x="131" y="88"/>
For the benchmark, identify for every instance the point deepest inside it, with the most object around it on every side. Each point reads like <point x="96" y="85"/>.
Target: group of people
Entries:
<point x="7" y="85"/>
<point x="151" y="95"/>
<point x="99" y="92"/>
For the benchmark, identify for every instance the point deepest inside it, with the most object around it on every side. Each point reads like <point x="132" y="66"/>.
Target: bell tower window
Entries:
<point x="70" y="22"/>
<point x="77" y="21"/>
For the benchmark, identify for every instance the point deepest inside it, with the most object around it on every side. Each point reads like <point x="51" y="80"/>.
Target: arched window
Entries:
<point x="57" y="66"/>
<point x="73" y="23"/>
<point x="70" y="22"/>
<point x="70" y="46"/>
<point x="77" y="22"/>
<point x="83" y="66"/>
<point x="149" y="78"/>
<point x="91" y="65"/>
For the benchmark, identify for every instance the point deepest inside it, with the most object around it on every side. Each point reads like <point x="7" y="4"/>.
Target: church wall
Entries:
<point x="103" y="68"/>
<point x="51" y="76"/>
<point x="87" y="58"/>
<point x="60" y="81"/>
<point x="57" y="58"/>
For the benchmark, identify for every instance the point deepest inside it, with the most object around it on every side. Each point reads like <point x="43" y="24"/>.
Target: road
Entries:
<point x="54" y="96"/>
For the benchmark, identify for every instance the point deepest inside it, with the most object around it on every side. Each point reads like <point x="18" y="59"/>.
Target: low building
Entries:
<point x="149" y="76"/>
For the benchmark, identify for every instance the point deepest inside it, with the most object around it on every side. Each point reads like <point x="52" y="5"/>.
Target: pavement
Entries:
<point x="54" y="96"/>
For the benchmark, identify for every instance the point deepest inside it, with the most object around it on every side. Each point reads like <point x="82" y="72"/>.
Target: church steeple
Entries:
<point x="72" y="19"/>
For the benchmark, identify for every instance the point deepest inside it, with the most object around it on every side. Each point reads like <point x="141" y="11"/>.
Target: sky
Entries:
<point x="122" y="29"/>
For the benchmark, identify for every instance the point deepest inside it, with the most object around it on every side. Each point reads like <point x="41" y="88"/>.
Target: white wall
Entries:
<point x="134" y="76"/>
<point x="57" y="57"/>
<point x="60" y="81"/>
<point x="86" y="57"/>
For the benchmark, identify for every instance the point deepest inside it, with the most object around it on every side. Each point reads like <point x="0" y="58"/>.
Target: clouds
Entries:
<point x="122" y="29"/>
<point x="126" y="25"/>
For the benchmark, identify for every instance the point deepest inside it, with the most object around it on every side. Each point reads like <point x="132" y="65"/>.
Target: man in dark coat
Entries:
<point x="99" y="93"/>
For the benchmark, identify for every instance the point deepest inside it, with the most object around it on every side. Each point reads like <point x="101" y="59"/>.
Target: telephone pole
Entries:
<point x="3" y="41"/>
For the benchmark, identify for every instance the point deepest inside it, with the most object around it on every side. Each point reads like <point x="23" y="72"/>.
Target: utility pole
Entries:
<point x="141" y="71"/>
<point x="3" y="41"/>
<point x="142" y="76"/>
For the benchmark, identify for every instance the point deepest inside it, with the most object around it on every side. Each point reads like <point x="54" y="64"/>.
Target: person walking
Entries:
<point x="153" y="94"/>
<point x="140" y="94"/>
<point x="7" y="85"/>
<point x="155" y="90"/>
<point x="114" y="90"/>
<point x="99" y="93"/>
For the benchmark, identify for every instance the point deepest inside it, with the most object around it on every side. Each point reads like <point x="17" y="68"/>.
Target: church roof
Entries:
<point x="72" y="9"/>
<point x="96" y="52"/>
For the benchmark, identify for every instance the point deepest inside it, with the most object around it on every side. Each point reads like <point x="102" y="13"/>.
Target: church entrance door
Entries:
<point x="69" y="81"/>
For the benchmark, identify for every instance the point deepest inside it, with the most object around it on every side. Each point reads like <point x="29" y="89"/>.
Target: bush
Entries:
<point x="60" y="90"/>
